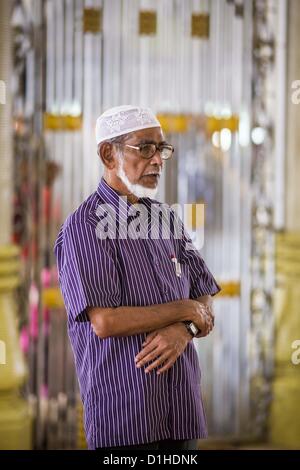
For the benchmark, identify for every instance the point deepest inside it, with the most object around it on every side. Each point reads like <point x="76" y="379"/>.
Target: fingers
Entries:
<point x="166" y="366"/>
<point x="161" y="349"/>
<point x="158" y="357"/>
<point x="207" y="325"/>
<point x="160" y="360"/>
<point x="148" y="358"/>
<point x="146" y="353"/>
<point x="208" y="319"/>
<point x="211" y="320"/>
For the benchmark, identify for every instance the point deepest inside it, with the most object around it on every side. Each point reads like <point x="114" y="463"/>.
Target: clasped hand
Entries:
<point x="162" y="347"/>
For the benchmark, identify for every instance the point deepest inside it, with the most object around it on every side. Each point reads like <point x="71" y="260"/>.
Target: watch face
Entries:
<point x="194" y="329"/>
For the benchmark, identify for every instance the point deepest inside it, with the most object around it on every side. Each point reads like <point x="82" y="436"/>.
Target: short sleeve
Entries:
<point x="87" y="270"/>
<point x="202" y="280"/>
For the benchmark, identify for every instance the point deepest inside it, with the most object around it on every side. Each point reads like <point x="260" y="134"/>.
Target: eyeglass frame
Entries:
<point x="138" y="147"/>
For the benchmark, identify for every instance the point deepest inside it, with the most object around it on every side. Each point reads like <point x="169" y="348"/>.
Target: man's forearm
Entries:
<point x="126" y="321"/>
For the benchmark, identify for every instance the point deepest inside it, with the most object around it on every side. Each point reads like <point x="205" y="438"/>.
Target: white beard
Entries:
<point x="137" y="189"/>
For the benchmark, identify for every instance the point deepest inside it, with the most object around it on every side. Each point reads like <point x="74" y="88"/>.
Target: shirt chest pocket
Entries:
<point x="181" y="278"/>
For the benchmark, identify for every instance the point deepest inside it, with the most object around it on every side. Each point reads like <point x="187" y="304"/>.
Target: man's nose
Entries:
<point x="156" y="159"/>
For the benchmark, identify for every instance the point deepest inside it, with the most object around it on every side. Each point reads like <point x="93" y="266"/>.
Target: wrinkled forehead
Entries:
<point x="152" y="134"/>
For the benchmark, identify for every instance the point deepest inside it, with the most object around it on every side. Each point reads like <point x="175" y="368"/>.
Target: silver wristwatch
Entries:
<point x="192" y="328"/>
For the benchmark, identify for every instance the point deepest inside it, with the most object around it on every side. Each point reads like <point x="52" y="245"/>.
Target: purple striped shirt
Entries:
<point x="122" y="404"/>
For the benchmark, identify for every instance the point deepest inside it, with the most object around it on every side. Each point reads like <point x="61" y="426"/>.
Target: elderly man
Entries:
<point x="134" y="303"/>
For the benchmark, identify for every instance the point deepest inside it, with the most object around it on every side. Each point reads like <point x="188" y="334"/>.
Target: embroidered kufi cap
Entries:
<point x="121" y="120"/>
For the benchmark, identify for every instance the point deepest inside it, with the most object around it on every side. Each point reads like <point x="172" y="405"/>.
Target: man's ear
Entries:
<point x="105" y="152"/>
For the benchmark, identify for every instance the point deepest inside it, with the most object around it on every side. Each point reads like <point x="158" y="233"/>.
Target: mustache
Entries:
<point x="153" y="172"/>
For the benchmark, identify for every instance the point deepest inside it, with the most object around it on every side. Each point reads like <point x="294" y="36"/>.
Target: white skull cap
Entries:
<point x="121" y="120"/>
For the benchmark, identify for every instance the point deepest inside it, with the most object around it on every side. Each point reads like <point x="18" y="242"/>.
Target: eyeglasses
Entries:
<point x="148" y="150"/>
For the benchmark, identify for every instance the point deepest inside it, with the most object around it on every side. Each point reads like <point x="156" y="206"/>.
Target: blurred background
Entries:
<point x="223" y="77"/>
